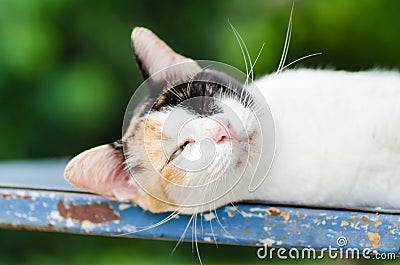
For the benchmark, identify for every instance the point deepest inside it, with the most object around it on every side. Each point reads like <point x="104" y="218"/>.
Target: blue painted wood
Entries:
<point x="243" y="224"/>
<point x="256" y="225"/>
<point x="38" y="174"/>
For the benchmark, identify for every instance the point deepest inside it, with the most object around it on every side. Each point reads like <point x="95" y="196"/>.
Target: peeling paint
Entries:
<point x="95" y="213"/>
<point x="285" y="215"/>
<point x="69" y="222"/>
<point x="6" y="196"/>
<point x="248" y="224"/>
<point x="344" y="223"/>
<point x="375" y="239"/>
<point x="209" y="216"/>
<point x="273" y="211"/>
<point x="364" y="218"/>
<point x="267" y="241"/>
<point x="87" y="225"/>
<point x="208" y="239"/>
<point x="56" y="215"/>
<point x="129" y="228"/>
<point x="124" y="206"/>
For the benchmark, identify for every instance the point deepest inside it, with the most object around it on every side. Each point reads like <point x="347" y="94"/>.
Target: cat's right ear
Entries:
<point x="102" y="170"/>
<point x="154" y="56"/>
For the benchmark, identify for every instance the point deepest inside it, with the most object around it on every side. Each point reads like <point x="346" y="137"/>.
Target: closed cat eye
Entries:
<point x="179" y="150"/>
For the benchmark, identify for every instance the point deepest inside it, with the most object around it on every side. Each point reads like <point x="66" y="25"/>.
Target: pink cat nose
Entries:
<point x="222" y="134"/>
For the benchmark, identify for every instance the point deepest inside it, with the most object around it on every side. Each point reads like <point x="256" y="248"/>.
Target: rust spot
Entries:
<point x="395" y="224"/>
<point x="231" y="213"/>
<point x="276" y="212"/>
<point x="344" y="223"/>
<point x="47" y="227"/>
<point x="297" y="214"/>
<point x="353" y="217"/>
<point x="315" y="220"/>
<point x="285" y="216"/>
<point x="25" y="197"/>
<point x="364" y="218"/>
<point x="95" y="213"/>
<point x="375" y="239"/>
<point x="377" y="223"/>
<point x="273" y="211"/>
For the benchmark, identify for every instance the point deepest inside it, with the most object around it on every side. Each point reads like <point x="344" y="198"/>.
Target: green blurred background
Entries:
<point x="67" y="74"/>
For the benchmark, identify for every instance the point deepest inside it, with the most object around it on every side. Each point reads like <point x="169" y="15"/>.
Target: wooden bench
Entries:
<point x="34" y="196"/>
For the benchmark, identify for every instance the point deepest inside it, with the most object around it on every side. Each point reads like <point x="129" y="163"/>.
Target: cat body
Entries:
<point x="335" y="139"/>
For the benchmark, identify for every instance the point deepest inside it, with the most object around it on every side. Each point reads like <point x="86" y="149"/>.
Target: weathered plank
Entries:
<point x="69" y="210"/>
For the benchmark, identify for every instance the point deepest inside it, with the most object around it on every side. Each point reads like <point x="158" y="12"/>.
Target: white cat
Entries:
<point x="197" y="141"/>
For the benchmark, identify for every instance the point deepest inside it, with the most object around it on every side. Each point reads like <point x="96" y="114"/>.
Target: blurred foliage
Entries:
<point x="67" y="70"/>
<point x="38" y="248"/>
<point x="67" y="73"/>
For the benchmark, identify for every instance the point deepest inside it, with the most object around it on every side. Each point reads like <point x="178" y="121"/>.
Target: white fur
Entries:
<point x="337" y="138"/>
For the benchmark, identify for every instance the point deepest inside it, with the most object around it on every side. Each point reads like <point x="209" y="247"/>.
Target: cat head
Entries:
<point x="191" y="145"/>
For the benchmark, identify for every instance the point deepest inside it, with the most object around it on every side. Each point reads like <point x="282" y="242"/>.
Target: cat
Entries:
<point x="335" y="140"/>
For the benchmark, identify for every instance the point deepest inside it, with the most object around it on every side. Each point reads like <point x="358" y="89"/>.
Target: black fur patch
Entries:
<point x="202" y="94"/>
<point x="117" y="145"/>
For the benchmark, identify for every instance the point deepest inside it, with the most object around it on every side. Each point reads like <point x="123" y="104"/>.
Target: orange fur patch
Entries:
<point x="153" y="139"/>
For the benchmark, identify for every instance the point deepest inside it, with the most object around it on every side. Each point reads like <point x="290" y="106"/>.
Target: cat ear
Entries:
<point x="102" y="170"/>
<point x="153" y="55"/>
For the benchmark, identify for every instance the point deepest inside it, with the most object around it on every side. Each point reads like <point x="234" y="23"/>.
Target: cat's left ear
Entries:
<point x="155" y="56"/>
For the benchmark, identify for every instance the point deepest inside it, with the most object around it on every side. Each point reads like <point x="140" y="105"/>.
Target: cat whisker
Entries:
<point x="191" y="79"/>
<point x="255" y="61"/>
<point x="242" y="50"/>
<point x="212" y="229"/>
<point x="163" y="221"/>
<point x="172" y="89"/>
<point x="188" y="87"/>
<point x="299" y="59"/>
<point x="217" y="217"/>
<point x="195" y="237"/>
<point x="201" y="222"/>
<point x="223" y="228"/>
<point x="183" y="235"/>
<point x="287" y="42"/>
<point x="193" y="223"/>
<point x="229" y="194"/>
<point x="248" y="56"/>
